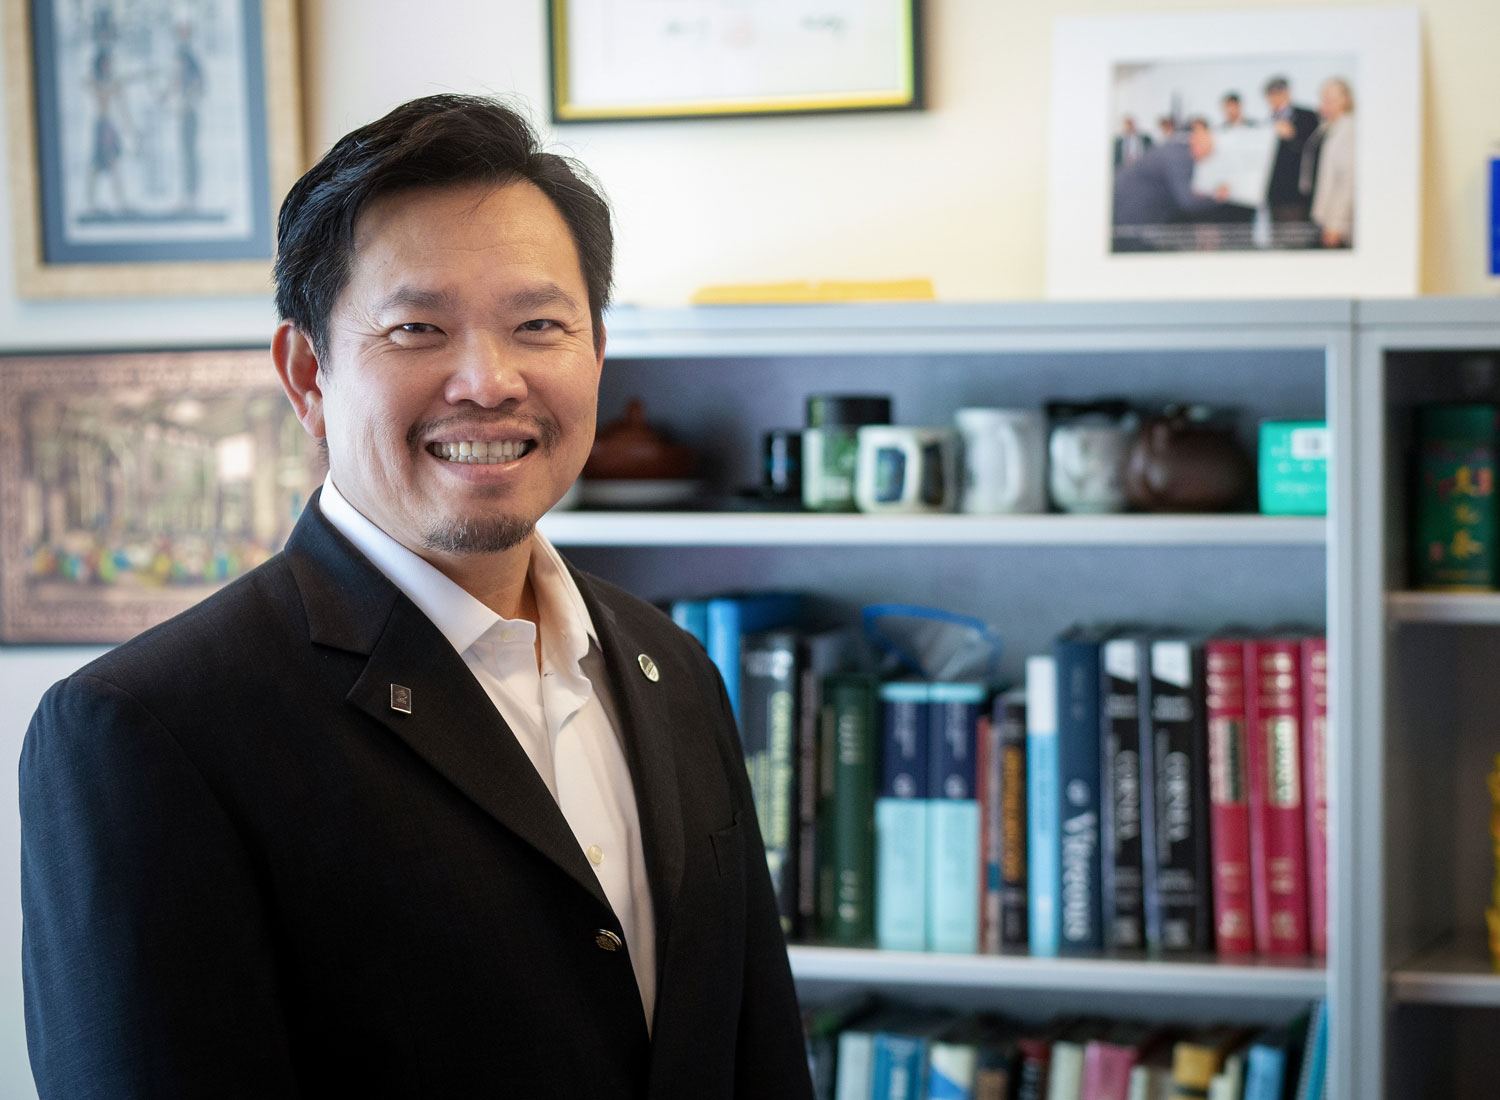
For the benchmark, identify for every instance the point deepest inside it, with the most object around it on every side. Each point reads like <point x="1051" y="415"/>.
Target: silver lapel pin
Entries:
<point x="401" y="698"/>
<point x="648" y="668"/>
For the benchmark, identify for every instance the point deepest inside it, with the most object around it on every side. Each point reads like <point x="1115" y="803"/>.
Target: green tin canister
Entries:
<point x="1455" y="528"/>
<point x="830" y="446"/>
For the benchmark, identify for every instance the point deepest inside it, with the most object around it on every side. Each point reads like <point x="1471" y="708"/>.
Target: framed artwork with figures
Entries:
<point x="150" y="143"/>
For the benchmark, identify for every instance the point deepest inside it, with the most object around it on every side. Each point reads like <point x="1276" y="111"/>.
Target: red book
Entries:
<point x="1229" y="796"/>
<point x="1278" y="825"/>
<point x="1108" y="1060"/>
<point x="1315" y="786"/>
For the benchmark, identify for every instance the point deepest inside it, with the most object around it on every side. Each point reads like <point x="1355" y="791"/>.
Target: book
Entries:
<point x="1278" y="826"/>
<point x="1274" y="1060"/>
<point x="1229" y="1082"/>
<point x="1079" y="910"/>
<point x="823" y="1027"/>
<point x="1312" y="1079"/>
<point x="901" y="817"/>
<point x="900" y="1056"/>
<point x="987" y="794"/>
<point x="1109" y="1059"/>
<point x="1151" y="1078"/>
<point x="971" y="1060"/>
<point x="1034" y="1059"/>
<point x="1125" y="800"/>
<point x="692" y="616"/>
<point x="855" y="1066"/>
<point x="953" y="862"/>
<point x="768" y="734"/>
<point x="1003" y="817"/>
<point x="998" y="1065"/>
<point x="1198" y="1056"/>
<point x="1043" y="863"/>
<point x="1229" y="795"/>
<point x="820" y="654"/>
<point x="848" y="747"/>
<point x="1315" y="787"/>
<point x="1065" y="1070"/>
<point x="1179" y="755"/>
<point x="730" y="618"/>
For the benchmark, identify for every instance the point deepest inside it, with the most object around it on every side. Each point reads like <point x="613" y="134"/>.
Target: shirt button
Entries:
<point x="606" y="940"/>
<point x="595" y="854"/>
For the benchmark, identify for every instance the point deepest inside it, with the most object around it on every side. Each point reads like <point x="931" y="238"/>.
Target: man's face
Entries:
<point x="1232" y="111"/>
<point x="1200" y="141"/>
<point x="1278" y="99"/>
<point x="459" y="393"/>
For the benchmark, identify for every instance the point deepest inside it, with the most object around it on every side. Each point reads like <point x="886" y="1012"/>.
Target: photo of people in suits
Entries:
<point x="1255" y="154"/>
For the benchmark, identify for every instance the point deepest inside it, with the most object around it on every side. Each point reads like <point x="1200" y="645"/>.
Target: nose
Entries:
<point x="487" y="373"/>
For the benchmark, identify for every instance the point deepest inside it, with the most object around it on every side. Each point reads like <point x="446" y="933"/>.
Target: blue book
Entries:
<point x="899" y="1058"/>
<point x="732" y="617"/>
<point x="901" y="818"/>
<point x="1265" y="1071"/>
<point x="1080" y="915"/>
<point x="692" y="616"/>
<point x="1044" y="868"/>
<point x="1312" y="1084"/>
<point x="953" y="863"/>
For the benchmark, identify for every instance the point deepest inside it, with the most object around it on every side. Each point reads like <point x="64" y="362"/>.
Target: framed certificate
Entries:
<point x="614" y="60"/>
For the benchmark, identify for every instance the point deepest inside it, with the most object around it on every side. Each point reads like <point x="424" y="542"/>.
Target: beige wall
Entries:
<point x="957" y="193"/>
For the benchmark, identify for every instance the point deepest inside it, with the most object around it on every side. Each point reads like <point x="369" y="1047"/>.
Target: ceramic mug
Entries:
<point x="1004" y="464"/>
<point x="905" y="470"/>
<point x="1087" y="456"/>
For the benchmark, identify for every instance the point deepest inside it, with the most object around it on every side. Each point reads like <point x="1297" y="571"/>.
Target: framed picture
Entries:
<point x="151" y="141"/>
<point x="1248" y="154"/>
<point x="624" y="59"/>
<point x="135" y="484"/>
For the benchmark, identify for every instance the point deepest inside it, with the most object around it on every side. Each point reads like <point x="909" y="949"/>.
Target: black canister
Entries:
<point x="830" y="446"/>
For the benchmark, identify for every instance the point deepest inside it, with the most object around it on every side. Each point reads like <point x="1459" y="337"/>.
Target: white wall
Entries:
<point x="956" y="193"/>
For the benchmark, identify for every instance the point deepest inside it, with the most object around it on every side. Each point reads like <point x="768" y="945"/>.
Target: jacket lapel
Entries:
<point x="418" y="688"/>
<point x="645" y="717"/>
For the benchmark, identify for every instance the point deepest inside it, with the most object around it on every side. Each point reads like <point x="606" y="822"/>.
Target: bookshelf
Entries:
<point x="718" y="378"/>
<point x="1429" y="684"/>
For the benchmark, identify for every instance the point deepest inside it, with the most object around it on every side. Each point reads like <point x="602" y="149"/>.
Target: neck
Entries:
<point x="500" y="581"/>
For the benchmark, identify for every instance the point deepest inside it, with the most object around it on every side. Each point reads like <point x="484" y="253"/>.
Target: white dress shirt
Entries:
<point x="562" y="714"/>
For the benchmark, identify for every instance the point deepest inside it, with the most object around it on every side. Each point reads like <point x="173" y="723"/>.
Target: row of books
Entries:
<point x="866" y="1051"/>
<point x="1142" y="792"/>
<point x="1176" y="794"/>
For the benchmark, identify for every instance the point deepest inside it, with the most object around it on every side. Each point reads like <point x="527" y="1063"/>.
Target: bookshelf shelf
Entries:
<point x="1456" y="971"/>
<point x="1291" y="981"/>
<point x="1444" y="607"/>
<point x="810" y="529"/>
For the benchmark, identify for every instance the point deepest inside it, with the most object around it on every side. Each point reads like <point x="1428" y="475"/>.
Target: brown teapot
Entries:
<point x="631" y="448"/>
<point x="1188" y="460"/>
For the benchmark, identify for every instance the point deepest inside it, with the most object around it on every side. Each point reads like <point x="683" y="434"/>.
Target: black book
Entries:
<point x="1123" y="804"/>
<point x="768" y="730"/>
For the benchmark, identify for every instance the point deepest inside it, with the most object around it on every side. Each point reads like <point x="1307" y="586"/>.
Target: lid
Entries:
<point x="831" y="410"/>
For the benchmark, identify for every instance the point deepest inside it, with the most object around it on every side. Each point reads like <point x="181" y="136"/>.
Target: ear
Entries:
<point x="297" y="366"/>
<point x="603" y="340"/>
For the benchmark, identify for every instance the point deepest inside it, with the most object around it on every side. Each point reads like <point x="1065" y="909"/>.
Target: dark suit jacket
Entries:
<point x="244" y="874"/>
<point x="1286" y="170"/>
<point x="1158" y="188"/>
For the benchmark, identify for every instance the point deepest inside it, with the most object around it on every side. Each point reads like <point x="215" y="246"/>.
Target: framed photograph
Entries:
<point x="135" y="484"/>
<point x="151" y="142"/>
<point x="614" y="60"/>
<point x="1237" y="154"/>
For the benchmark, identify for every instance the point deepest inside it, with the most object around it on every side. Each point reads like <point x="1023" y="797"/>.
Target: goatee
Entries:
<point x="470" y="535"/>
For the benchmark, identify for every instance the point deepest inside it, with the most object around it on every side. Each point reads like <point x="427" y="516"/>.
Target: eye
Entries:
<point x="417" y="328"/>
<point x="538" y="325"/>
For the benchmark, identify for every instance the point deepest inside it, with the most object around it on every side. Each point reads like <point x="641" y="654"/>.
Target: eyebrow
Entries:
<point x="539" y="297"/>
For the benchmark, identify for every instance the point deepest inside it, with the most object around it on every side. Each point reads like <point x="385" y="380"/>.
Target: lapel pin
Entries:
<point x="401" y="698"/>
<point x="648" y="668"/>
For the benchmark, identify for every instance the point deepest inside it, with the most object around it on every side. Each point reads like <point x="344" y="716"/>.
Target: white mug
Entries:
<point x="905" y="470"/>
<point x="1004" y="460"/>
<point x="1087" y="467"/>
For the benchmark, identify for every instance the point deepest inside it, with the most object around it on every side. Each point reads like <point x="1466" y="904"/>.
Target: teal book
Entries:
<point x="692" y="616"/>
<point x="900" y="1057"/>
<point x="954" y="864"/>
<point x="901" y="818"/>
<point x="1312" y="1082"/>
<point x="730" y="618"/>
<point x="1080" y="917"/>
<point x="1043" y="851"/>
<point x="848" y="750"/>
<point x="1274" y="1061"/>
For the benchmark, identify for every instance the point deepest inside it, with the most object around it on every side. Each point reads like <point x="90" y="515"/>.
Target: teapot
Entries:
<point x="1188" y="460"/>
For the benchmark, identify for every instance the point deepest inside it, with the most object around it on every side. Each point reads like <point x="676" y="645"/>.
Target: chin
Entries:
<point x="478" y="534"/>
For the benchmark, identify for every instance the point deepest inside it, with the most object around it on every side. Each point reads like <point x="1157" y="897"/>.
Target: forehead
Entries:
<point x="463" y="229"/>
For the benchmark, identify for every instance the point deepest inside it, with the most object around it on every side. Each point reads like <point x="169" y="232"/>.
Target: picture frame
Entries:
<point x="135" y="484"/>
<point x="1246" y="224"/>
<point x="151" y="143"/>
<point x="678" y="59"/>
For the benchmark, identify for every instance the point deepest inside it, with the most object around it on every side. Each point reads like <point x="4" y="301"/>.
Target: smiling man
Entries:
<point x="414" y="809"/>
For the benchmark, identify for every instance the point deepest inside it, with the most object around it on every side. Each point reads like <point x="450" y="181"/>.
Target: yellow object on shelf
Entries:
<point x="867" y="290"/>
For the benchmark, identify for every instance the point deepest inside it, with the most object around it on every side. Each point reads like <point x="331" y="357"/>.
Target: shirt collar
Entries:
<point x="460" y="617"/>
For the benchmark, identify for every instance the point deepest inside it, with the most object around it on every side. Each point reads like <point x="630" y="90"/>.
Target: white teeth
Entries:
<point x="478" y="451"/>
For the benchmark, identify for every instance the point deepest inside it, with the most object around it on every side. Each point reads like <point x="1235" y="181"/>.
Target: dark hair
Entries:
<point x="1230" y="97"/>
<point x="1276" y="84"/>
<point x="436" y="141"/>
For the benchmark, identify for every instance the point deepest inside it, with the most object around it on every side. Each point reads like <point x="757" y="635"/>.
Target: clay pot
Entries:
<point x="631" y="448"/>
<point x="1187" y="460"/>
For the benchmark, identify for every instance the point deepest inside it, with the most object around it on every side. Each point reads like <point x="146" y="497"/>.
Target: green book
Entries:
<point x="849" y="739"/>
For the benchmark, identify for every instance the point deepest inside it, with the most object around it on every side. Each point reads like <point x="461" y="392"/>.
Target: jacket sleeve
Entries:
<point x="146" y="949"/>
<point x="770" y="1047"/>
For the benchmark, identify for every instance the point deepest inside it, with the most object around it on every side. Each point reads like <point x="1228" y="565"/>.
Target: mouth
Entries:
<point x="477" y="452"/>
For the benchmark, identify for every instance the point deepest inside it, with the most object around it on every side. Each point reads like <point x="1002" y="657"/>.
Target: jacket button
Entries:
<point x="606" y="940"/>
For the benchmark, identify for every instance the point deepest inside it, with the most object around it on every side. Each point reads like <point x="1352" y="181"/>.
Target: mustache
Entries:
<point x="543" y="429"/>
